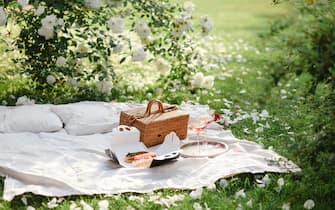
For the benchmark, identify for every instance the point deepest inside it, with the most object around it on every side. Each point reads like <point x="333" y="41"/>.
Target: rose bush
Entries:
<point x="111" y="46"/>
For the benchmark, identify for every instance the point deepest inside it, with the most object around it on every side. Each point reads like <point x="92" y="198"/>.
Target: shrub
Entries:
<point x="114" y="46"/>
<point x="306" y="43"/>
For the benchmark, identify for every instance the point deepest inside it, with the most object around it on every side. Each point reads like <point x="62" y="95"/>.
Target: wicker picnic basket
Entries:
<point x="155" y="122"/>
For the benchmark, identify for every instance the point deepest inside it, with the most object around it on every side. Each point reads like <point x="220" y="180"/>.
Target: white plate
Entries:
<point x="210" y="148"/>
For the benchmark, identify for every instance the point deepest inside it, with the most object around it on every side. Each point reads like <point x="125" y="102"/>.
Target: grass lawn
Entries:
<point x="243" y="86"/>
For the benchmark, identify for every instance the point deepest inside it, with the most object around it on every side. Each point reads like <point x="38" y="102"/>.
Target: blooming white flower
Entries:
<point x="85" y="205"/>
<point x="206" y="24"/>
<point x="240" y="193"/>
<point x="189" y="6"/>
<point x="196" y="194"/>
<point x="51" y="79"/>
<point x="198" y="79"/>
<point x="23" y="3"/>
<point x="40" y="10"/>
<point x="224" y="183"/>
<point x="46" y="33"/>
<point x="49" y="21"/>
<point x="104" y="86"/>
<point x="52" y="204"/>
<point x="103" y="205"/>
<point x="197" y="206"/>
<point x="61" y="61"/>
<point x="82" y="49"/>
<point x="71" y="82"/>
<point x="208" y="82"/>
<point x="115" y="24"/>
<point x="24" y="100"/>
<point x="30" y="208"/>
<point x="139" y="55"/>
<point x="163" y="66"/>
<point x="286" y="206"/>
<point x="94" y="4"/>
<point x="142" y="29"/>
<point x="3" y="16"/>
<point x="309" y="204"/>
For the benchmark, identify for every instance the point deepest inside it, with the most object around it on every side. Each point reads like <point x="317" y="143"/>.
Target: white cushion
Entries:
<point x="3" y="111"/>
<point x="31" y="118"/>
<point x="87" y="117"/>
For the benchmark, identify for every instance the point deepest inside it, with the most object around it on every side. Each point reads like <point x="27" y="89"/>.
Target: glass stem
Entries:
<point x="198" y="142"/>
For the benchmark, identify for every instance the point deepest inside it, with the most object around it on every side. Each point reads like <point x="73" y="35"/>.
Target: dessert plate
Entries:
<point x="210" y="148"/>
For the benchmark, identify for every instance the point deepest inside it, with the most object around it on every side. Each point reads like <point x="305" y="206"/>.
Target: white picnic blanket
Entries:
<point x="58" y="164"/>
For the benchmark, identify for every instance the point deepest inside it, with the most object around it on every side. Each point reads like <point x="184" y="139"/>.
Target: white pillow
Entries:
<point x="31" y="118"/>
<point x="87" y="117"/>
<point x="3" y="111"/>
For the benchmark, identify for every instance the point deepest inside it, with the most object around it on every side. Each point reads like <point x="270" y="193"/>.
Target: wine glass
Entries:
<point x="197" y="124"/>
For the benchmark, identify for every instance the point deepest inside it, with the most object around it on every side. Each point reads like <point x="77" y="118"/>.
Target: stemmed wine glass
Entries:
<point x="197" y="124"/>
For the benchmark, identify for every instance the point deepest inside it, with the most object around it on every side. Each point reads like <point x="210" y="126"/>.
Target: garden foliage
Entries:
<point x="307" y="42"/>
<point x="111" y="47"/>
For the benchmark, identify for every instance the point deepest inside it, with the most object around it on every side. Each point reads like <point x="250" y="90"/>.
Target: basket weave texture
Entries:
<point x="155" y="122"/>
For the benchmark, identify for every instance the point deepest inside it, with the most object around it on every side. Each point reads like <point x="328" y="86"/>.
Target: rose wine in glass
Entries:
<point x="198" y="124"/>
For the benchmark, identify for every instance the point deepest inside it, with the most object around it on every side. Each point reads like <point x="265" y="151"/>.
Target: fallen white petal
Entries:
<point x="196" y="194"/>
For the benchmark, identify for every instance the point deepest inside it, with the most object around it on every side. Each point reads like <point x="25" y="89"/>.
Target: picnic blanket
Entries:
<point x="59" y="164"/>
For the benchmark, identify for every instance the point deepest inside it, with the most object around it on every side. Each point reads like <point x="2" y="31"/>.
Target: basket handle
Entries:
<point x="150" y="103"/>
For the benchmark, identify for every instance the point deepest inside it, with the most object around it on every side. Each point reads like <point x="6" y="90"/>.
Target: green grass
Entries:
<point x="292" y="128"/>
<point x="243" y="19"/>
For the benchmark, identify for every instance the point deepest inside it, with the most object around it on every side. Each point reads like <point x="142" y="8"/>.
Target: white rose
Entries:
<point x="208" y="82"/>
<point x="23" y="3"/>
<point x="3" y="16"/>
<point x="139" y="55"/>
<point x="142" y="29"/>
<point x="189" y="6"/>
<point x="94" y="4"/>
<point x="104" y="86"/>
<point x="47" y="33"/>
<point x="197" y="80"/>
<point x="51" y="79"/>
<point x="49" y="21"/>
<point x="115" y="24"/>
<point x="40" y="10"/>
<point x="71" y="82"/>
<point x="163" y="66"/>
<point x="81" y="49"/>
<point x="61" y="61"/>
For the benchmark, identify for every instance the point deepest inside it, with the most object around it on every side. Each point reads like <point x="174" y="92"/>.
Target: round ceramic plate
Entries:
<point x="210" y="149"/>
